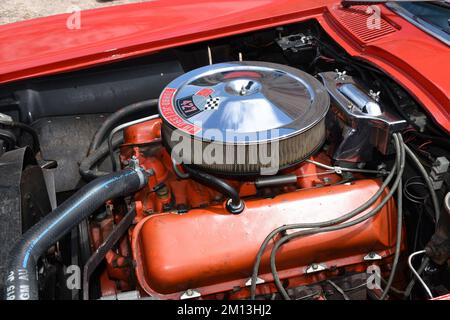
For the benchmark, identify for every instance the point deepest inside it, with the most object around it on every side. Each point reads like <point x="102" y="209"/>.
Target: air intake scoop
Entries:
<point x="237" y="108"/>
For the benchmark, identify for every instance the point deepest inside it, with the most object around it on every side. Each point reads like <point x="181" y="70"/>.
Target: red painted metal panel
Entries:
<point x="355" y="19"/>
<point x="45" y="46"/>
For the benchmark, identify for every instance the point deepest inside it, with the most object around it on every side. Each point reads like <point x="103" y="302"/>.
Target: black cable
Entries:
<point x="284" y="239"/>
<point x="339" y="289"/>
<point x="111" y="122"/>
<point x="348" y="61"/>
<point x="96" y="155"/>
<point x="114" y="119"/>
<point x="24" y="127"/>
<point x="441" y="141"/>
<point x="393" y="289"/>
<point x="418" y="227"/>
<point x="425" y="157"/>
<point x="427" y="179"/>
<point x="362" y="285"/>
<point x="235" y="205"/>
<point x="393" y="100"/>
<point x="120" y="128"/>
<point x="410" y="192"/>
<point x="309" y="295"/>
<point x="341" y="219"/>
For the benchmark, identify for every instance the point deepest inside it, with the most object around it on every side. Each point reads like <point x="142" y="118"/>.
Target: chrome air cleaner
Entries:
<point x="244" y="117"/>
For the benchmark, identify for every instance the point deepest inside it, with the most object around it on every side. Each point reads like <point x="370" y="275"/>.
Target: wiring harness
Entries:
<point x="395" y="176"/>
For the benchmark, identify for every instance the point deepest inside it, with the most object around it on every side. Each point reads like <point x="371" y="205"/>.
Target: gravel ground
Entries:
<point x="18" y="10"/>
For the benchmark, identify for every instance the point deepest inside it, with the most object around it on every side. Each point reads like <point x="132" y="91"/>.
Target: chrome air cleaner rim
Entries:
<point x="244" y="104"/>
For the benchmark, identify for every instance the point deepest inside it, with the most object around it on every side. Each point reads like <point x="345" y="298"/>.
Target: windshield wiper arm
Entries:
<point x="349" y="3"/>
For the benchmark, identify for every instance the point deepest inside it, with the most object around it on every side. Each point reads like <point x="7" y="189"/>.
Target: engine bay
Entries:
<point x="270" y="165"/>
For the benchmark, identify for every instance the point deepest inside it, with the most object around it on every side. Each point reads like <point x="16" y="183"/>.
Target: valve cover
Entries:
<point x="209" y="250"/>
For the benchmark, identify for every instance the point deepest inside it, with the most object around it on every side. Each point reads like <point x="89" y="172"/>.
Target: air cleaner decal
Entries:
<point x="206" y="92"/>
<point x="194" y="104"/>
<point x="212" y="104"/>
<point x="170" y="115"/>
<point x="187" y="107"/>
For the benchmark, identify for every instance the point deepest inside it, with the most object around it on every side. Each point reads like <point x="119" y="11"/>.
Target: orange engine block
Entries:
<point x="184" y="239"/>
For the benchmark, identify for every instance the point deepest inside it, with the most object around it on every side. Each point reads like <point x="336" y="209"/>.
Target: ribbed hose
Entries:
<point x="21" y="281"/>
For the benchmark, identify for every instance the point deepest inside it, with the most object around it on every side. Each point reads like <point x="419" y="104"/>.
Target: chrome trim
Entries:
<point x="280" y="103"/>
<point x="420" y="23"/>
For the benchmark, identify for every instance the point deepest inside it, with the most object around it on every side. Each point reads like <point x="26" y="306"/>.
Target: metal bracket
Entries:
<point x="371" y="256"/>
<point x="248" y="283"/>
<point x="316" y="267"/>
<point x="127" y="295"/>
<point x="100" y="253"/>
<point x="295" y="42"/>
<point x="190" y="294"/>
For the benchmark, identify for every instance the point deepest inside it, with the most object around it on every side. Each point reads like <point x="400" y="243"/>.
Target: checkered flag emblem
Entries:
<point x="212" y="104"/>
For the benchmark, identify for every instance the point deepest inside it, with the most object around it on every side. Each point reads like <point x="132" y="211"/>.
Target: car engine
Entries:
<point x="272" y="166"/>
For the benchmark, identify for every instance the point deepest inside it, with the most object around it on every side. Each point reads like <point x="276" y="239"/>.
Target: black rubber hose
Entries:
<point x="26" y="128"/>
<point x="96" y="155"/>
<point x="235" y="205"/>
<point x="117" y="117"/>
<point x="9" y="138"/>
<point x="440" y="141"/>
<point x="21" y="276"/>
<point x="427" y="179"/>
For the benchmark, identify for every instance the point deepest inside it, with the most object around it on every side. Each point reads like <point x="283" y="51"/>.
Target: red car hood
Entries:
<point x="46" y="46"/>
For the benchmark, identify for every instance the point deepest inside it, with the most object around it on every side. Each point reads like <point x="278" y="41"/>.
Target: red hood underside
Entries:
<point x="46" y="46"/>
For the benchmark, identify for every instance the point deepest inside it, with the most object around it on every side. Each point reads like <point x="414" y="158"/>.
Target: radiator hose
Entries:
<point x="21" y="275"/>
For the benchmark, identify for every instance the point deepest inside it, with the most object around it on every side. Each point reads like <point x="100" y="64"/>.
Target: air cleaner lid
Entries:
<point x="244" y="102"/>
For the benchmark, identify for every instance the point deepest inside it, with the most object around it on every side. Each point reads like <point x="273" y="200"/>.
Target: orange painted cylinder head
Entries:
<point x="212" y="251"/>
